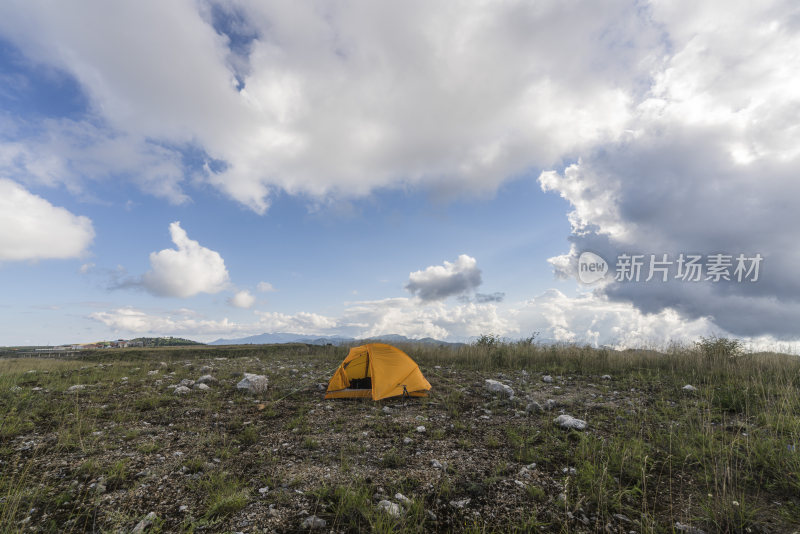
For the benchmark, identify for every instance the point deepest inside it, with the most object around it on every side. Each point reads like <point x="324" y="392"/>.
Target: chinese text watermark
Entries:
<point x="663" y="267"/>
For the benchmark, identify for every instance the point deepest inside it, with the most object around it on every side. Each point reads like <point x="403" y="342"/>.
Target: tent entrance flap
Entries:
<point x="361" y="383"/>
<point x="379" y="371"/>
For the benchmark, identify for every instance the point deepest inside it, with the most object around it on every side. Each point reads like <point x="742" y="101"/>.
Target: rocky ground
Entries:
<point x="174" y="445"/>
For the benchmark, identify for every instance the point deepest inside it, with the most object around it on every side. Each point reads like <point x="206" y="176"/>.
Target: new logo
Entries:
<point x="591" y="267"/>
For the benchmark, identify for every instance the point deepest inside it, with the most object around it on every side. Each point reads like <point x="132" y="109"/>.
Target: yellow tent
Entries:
<point x="379" y="371"/>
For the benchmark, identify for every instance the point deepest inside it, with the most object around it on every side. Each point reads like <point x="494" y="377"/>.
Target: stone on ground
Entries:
<point x="313" y="522"/>
<point x="144" y="524"/>
<point x="567" y="421"/>
<point x="207" y="379"/>
<point x="390" y="508"/>
<point x="499" y="388"/>
<point x="253" y="383"/>
<point x="534" y="407"/>
<point x="182" y="390"/>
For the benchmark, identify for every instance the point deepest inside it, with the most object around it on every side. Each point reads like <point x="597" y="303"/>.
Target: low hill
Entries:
<point x="284" y="337"/>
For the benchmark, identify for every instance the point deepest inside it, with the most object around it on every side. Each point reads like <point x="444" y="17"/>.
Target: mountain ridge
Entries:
<point x="287" y="337"/>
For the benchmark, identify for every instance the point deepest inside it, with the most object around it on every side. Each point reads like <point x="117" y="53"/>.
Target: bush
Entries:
<point x="714" y="348"/>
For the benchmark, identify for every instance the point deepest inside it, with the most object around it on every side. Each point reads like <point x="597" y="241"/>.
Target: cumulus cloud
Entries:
<point x="76" y="154"/>
<point x="346" y="98"/>
<point x="596" y="320"/>
<point x="708" y="166"/>
<point x="438" y="282"/>
<point x="300" y="323"/>
<point x="265" y="287"/>
<point x="31" y="228"/>
<point x="182" y="322"/>
<point x="416" y="319"/>
<point x="587" y="318"/>
<point x="187" y="270"/>
<point x="190" y="323"/>
<point x="242" y="299"/>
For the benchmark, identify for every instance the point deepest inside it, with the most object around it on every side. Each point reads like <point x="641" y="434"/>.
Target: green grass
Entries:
<point x="224" y="495"/>
<point x="118" y="475"/>
<point x="725" y="458"/>
<point x="393" y="459"/>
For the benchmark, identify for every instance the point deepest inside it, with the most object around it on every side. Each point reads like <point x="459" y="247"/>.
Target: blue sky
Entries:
<point x="222" y="169"/>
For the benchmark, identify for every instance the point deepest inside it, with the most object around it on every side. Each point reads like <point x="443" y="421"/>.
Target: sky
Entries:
<point x="219" y="169"/>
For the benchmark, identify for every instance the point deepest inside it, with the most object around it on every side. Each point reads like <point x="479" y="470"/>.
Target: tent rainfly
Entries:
<point x="379" y="371"/>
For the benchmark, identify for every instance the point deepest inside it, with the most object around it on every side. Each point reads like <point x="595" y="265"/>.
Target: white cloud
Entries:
<point x="31" y="228"/>
<point x="86" y="268"/>
<point x="344" y="99"/>
<point x="242" y="299"/>
<point x="412" y="318"/>
<point x="441" y="281"/>
<point x="708" y="165"/>
<point x="190" y="323"/>
<point x="594" y="319"/>
<point x="589" y="318"/>
<point x="265" y="287"/>
<point x="76" y="154"/>
<point x="300" y="323"/>
<point x="186" y="271"/>
<point x="183" y="322"/>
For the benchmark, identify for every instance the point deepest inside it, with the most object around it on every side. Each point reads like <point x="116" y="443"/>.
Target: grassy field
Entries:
<point x="124" y="450"/>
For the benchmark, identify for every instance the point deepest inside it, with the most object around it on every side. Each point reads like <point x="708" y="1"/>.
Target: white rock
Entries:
<point x="548" y="379"/>
<point x="534" y="407"/>
<point x="606" y="377"/>
<point x="498" y="387"/>
<point x="390" y="508"/>
<point x="435" y="464"/>
<point x="207" y="379"/>
<point x="201" y="387"/>
<point x="681" y="527"/>
<point x="253" y="383"/>
<point x="183" y="508"/>
<point x="144" y="523"/>
<point x="187" y="382"/>
<point x="76" y="387"/>
<point x="263" y="490"/>
<point x="386" y="409"/>
<point x="567" y="421"/>
<point x="402" y="499"/>
<point x="407" y="441"/>
<point x="182" y="390"/>
<point x="460" y="504"/>
<point x="420" y="429"/>
<point x="689" y="388"/>
<point x="313" y="522"/>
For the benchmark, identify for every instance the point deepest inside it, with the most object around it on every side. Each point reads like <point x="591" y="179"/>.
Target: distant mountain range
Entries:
<point x="284" y="337"/>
